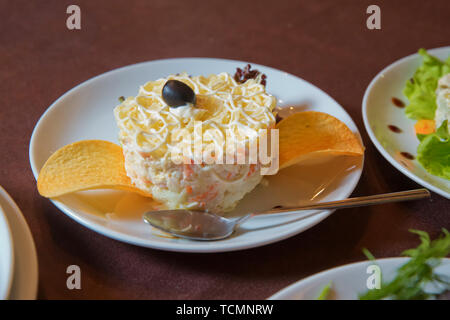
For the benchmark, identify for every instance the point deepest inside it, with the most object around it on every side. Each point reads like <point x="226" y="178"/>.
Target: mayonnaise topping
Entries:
<point x="223" y="107"/>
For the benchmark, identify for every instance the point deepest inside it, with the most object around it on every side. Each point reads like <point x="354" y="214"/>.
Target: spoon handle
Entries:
<point x="361" y="201"/>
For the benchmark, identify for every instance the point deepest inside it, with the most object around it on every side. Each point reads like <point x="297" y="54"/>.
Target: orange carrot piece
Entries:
<point x="425" y="126"/>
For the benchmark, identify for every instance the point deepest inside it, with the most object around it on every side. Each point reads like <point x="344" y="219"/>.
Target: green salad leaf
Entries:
<point x="413" y="276"/>
<point x="433" y="152"/>
<point x="325" y="292"/>
<point x="420" y="89"/>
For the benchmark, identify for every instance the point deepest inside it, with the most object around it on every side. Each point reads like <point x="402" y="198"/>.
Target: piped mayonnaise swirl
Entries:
<point x="223" y="106"/>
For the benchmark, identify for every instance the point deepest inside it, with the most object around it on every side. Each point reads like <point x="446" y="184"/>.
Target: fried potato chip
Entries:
<point x="85" y="165"/>
<point x="312" y="132"/>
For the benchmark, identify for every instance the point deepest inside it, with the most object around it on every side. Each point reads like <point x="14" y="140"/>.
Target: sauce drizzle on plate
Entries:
<point x="397" y="102"/>
<point x="407" y="155"/>
<point x="394" y="128"/>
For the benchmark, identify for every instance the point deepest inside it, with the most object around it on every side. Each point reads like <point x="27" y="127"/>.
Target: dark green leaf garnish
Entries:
<point x="413" y="276"/>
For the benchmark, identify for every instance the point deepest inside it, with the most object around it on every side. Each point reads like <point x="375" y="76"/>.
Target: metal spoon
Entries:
<point x="201" y="225"/>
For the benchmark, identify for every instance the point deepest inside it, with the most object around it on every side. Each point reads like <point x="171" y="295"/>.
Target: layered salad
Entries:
<point x="182" y="135"/>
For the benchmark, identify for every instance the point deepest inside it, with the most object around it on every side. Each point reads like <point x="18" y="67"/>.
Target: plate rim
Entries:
<point x="11" y="255"/>
<point x="29" y="278"/>
<point x="315" y="276"/>
<point x="377" y="143"/>
<point x="176" y="247"/>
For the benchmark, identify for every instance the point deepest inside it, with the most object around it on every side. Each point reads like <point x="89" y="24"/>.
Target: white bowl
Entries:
<point x="347" y="281"/>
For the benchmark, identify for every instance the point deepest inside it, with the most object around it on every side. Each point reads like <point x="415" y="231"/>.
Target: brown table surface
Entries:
<point x="325" y="42"/>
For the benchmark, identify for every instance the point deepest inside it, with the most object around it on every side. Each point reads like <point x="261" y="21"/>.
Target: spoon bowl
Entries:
<point x="191" y="224"/>
<point x="205" y="226"/>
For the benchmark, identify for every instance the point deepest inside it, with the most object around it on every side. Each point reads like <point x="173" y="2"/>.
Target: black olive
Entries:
<point x="176" y="93"/>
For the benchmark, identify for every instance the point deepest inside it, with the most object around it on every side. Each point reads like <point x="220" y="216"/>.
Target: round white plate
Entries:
<point x="6" y="256"/>
<point x="25" y="280"/>
<point x="379" y="112"/>
<point x="86" y="112"/>
<point x="346" y="281"/>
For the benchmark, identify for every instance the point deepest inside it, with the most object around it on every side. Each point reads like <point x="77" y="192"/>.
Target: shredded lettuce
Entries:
<point x="420" y="89"/>
<point x="433" y="152"/>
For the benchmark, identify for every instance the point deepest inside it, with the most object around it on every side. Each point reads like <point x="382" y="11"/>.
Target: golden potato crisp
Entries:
<point x="309" y="132"/>
<point x="84" y="165"/>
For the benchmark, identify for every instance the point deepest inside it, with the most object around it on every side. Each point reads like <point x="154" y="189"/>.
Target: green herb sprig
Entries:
<point x="413" y="276"/>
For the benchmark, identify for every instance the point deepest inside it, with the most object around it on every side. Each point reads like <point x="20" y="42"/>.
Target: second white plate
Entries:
<point x="6" y="256"/>
<point x="379" y="112"/>
<point x="25" y="281"/>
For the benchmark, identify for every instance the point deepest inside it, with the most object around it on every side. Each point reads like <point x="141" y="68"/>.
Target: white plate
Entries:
<point x="346" y="281"/>
<point x="25" y="280"/>
<point x="6" y="256"/>
<point x="379" y="112"/>
<point x="85" y="112"/>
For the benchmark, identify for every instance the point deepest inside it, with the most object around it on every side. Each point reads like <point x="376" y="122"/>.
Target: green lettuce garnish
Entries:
<point x="420" y="89"/>
<point x="433" y="152"/>
<point x="325" y="292"/>
<point x="412" y="277"/>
